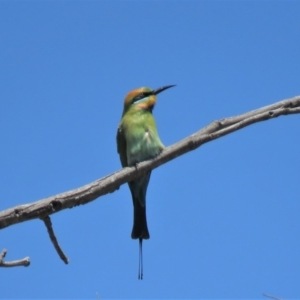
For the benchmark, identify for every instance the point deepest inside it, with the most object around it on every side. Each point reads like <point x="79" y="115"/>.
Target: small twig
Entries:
<point x="272" y="297"/>
<point x="25" y="262"/>
<point x="48" y="224"/>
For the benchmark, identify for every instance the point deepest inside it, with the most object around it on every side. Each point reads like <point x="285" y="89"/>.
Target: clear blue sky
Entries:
<point x="224" y="219"/>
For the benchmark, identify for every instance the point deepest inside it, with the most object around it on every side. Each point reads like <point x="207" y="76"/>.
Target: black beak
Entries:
<point x="161" y="89"/>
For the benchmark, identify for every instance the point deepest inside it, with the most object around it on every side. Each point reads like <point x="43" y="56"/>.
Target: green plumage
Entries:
<point x="137" y="141"/>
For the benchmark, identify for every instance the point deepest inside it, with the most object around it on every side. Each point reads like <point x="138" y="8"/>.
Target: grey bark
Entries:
<point x="108" y="184"/>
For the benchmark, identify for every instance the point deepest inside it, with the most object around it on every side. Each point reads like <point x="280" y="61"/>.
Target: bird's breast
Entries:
<point x="142" y="146"/>
<point x="147" y="137"/>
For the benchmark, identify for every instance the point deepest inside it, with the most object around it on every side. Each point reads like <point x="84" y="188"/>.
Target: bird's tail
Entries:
<point x="140" y="228"/>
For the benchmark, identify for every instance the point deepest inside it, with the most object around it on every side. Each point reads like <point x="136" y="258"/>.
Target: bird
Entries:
<point x="137" y="141"/>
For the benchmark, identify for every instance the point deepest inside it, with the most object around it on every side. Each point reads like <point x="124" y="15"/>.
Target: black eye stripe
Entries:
<point x="138" y="97"/>
<point x="141" y="96"/>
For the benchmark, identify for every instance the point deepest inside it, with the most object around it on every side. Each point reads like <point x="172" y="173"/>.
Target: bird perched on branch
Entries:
<point x="137" y="141"/>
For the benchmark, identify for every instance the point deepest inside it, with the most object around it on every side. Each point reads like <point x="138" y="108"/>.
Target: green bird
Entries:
<point x="137" y="141"/>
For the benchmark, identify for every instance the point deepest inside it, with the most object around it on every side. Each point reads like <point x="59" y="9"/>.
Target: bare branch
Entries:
<point x="271" y="297"/>
<point x="15" y="263"/>
<point x="112" y="182"/>
<point x="53" y="239"/>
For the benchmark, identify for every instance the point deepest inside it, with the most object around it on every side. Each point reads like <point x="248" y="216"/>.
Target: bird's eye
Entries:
<point x="141" y="96"/>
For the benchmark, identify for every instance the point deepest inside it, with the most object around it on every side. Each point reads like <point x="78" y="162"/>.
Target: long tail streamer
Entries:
<point x="140" y="273"/>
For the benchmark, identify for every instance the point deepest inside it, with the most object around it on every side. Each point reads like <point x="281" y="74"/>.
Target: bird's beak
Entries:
<point x="161" y="89"/>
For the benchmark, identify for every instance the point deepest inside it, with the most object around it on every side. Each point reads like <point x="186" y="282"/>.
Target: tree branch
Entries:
<point x="271" y="297"/>
<point x="48" y="224"/>
<point x="15" y="263"/>
<point x="112" y="182"/>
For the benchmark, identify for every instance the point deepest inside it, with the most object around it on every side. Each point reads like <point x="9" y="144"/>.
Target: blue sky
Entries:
<point x="224" y="219"/>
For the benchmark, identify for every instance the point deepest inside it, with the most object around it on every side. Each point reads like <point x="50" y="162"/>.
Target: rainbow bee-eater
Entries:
<point x="138" y="140"/>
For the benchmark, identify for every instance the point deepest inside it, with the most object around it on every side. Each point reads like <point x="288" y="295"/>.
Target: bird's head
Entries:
<point x="143" y="98"/>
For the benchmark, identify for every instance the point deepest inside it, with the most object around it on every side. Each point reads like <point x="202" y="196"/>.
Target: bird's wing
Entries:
<point x="121" y="146"/>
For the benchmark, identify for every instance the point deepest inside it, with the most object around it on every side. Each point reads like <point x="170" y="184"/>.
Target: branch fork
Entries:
<point x="25" y="262"/>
